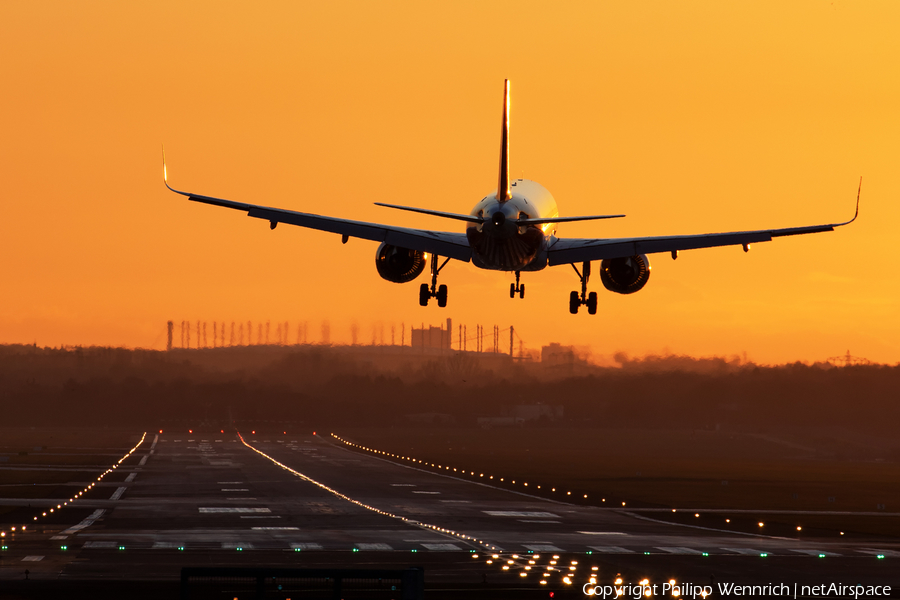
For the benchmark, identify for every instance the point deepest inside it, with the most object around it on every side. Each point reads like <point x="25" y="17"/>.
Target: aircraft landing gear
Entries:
<point x="516" y="288"/>
<point x="576" y="299"/>
<point x="435" y="291"/>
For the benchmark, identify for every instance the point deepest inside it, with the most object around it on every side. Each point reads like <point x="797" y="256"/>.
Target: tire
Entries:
<point x="522" y="291"/>
<point x="574" y="303"/>
<point x="442" y="296"/>
<point x="424" y="294"/>
<point x="592" y="303"/>
<point x="512" y="290"/>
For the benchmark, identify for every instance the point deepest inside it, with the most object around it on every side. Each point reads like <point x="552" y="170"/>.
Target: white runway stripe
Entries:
<point x="87" y="522"/>
<point x="812" y="552"/>
<point x="543" y="548"/>
<point x="118" y="493"/>
<point x="745" y="551"/>
<point x="679" y="550"/>
<point x="229" y="509"/>
<point x="306" y="546"/>
<point x="374" y="547"/>
<point x="611" y="550"/>
<point x="442" y="547"/>
<point x="32" y="558"/>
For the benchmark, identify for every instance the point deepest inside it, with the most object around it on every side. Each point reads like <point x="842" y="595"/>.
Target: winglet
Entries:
<point x="504" y="192"/>
<point x="856" y="213"/>
<point x="166" y="176"/>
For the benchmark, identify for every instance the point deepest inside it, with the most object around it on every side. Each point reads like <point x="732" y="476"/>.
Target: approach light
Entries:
<point x="799" y="528"/>
<point x="761" y="524"/>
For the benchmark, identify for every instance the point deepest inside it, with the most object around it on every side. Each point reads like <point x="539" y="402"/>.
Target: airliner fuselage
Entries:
<point x="499" y="243"/>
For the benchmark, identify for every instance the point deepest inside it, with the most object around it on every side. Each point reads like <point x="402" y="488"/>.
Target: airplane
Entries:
<point x="513" y="229"/>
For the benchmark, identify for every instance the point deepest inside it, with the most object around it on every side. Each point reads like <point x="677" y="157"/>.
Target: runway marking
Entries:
<point x="811" y="552"/>
<point x="230" y="482"/>
<point x="457" y="501"/>
<point x="403" y="485"/>
<point x="231" y="509"/>
<point x="118" y="493"/>
<point x="59" y="537"/>
<point x="745" y="551"/>
<point x="374" y="547"/>
<point x="87" y="522"/>
<point x="424" y="492"/>
<point x="442" y="547"/>
<point x="456" y="534"/>
<point x="235" y="490"/>
<point x="887" y="553"/>
<point x="679" y="550"/>
<point x="144" y="460"/>
<point x="543" y="548"/>
<point x="267" y="517"/>
<point x="611" y="550"/>
<point x="306" y="546"/>
<point x="536" y="521"/>
<point x="236" y="545"/>
<point x="131" y="477"/>
<point x="275" y="528"/>
<point x="101" y="545"/>
<point x="516" y="513"/>
<point x="602" y="533"/>
<point x="32" y="558"/>
<point x="166" y="545"/>
<point x="218" y="440"/>
<point x="176" y="441"/>
<point x="243" y="498"/>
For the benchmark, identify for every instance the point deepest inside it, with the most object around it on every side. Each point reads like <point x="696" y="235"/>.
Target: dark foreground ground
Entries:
<point x="304" y="501"/>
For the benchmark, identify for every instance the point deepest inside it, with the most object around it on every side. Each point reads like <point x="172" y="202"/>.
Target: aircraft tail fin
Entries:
<point x="504" y="192"/>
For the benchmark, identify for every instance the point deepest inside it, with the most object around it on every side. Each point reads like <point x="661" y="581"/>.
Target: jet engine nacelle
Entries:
<point x="625" y="275"/>
<point x="399" y="265"/>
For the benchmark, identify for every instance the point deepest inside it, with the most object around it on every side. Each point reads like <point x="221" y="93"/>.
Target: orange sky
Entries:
<point x="691" y="118"/>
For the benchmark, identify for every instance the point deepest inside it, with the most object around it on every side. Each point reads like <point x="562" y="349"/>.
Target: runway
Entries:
<point x="306" y="500"/>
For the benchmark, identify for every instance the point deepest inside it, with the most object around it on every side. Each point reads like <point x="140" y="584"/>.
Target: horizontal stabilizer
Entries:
<point x="435" y="213"/>
<point x="566" y="219"/>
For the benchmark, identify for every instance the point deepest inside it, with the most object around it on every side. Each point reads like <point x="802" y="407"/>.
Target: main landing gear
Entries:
<point x="426" y="293"/>
<point x="516" y="288"/>
<point x="589" y="300"/>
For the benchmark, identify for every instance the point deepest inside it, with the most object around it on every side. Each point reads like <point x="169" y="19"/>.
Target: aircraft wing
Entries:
<point x="573" y="250"/>
<point x="452" y="245"/>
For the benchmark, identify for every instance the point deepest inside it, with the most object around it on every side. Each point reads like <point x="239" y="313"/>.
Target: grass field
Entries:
<point x="671" y="469"/>
<point x="37" y="463"/>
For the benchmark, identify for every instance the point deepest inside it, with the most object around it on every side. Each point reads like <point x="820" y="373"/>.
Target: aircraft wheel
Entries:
<point x="592" y="303"/>
<point x="574" y="303"/>
<point x="522" y="291"/>
<point x="424" y="294"/>
<point x="442" y="296"/>
<point x="512" y="290"/>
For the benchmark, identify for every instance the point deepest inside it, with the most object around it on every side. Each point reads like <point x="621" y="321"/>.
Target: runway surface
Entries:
<point x="209" y="500"/>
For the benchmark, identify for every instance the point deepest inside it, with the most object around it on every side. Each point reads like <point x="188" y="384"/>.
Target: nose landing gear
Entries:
<point x="589" y="300"/>
<point x="435" y="291"/>
<point x="516" y="288"/>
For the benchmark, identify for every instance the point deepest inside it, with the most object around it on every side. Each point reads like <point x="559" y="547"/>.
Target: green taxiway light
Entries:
<point x="706" y="554"/>
<point x="589" y="552"/>
<point x="121" y="547"/>
<point x="821" y="556"/>
<point x="181" y="547"/>
<point x="413" y="550"/>
<point x="878" y="556"/>
<point x="63" y="547"/>
<point x="5" y="547"/>
<point x="764" y="554"/>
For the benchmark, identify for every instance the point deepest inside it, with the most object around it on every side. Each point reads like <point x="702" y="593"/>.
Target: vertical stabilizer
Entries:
<point x="503" y="191"/>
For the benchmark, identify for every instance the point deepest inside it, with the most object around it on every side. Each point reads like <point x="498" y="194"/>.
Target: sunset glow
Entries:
<point x="689" y="118"/>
